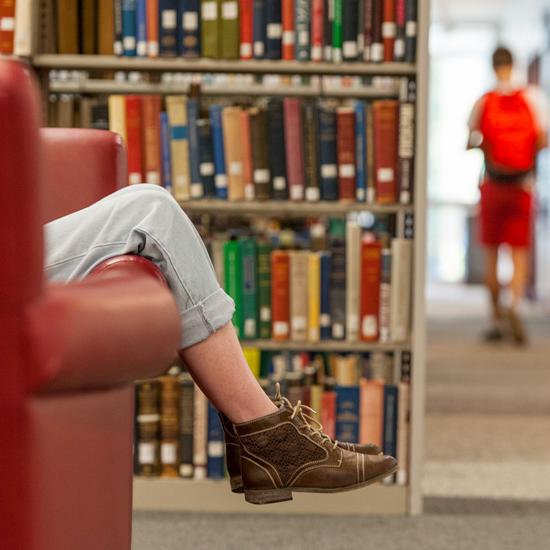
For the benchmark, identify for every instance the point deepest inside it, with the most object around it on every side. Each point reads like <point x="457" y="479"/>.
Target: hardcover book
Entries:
<point x="246" y="146"/>
<point x="220" y="177"/>
<point x="200" y="435"/>
<point x="129" y="27"/>
<point x="216" y="466"/>
<point x="152" y="28"/>
<point x="299" y="260"/>
<point x="260" y="158"/>
<point x="294" y="147"/>
<point x="264" y="289"/>
<point x="259" y="29"/>
<point x="277" y="161"/>
<point x="210" y="28"/>
<point x="327" y="153"/>
<point x="401" y="251"/>
<point x="179" y="146"/>
<point x="165" y="134"/>
<point x="274" y="29"/>
<point x="345" y="118"/>
<point x="370" y="289"/>
<point x="317" y="29"/>
<point x="385" y="115"/>
<point x="230" y="32"/>
<point x="280" y="295"/>
<point x="337" y="30"/>
<point x="249" y="288"/>
<point x="325" y="321"/>
<point x="148" y="428"/>
<point x="246" y="8"/>
<point x="347" y="413"/>
<point x="189" y="32"/>
<point x="302" y="16"/>
<point x="169" y="426"/>
<point x="151" y="138"/>
<point x="353" y="279"/>
<point x="350" y="18"/>
<point x="314" y="296"/>
<point x="168" y="28"/>
<point x="196" y="188"/>
<point x="233" y="280"/>
<point x="206" y="157"/>
<point x="134" y="137"/>
<point x="389" y="28"/>
<point x="67" y="25"/>
<point x="311" y="152"/>
<point x="187" y="391"/>
<point x="371" y="410"/>
<point x="141" y="28"/>
<point x="338" y="287"/>
<point x="231" y="117"/>
<point x="289" y="35"/>
<point x="360" y="151"/>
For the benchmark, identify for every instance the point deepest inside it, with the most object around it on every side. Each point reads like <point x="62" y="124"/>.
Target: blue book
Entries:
<point x="141" y="18"/>
<point x="259" y="29"/>
<point x="206" y="157"/>
<point x="325" y="321"/>
<point x="165" y="151"/>
<point x="276" y="149"/>
<point x="168" y="28"/>
<point x="220" y="177"/>
<point x="189" y="28"/>
<point x="360" y="152"/>
<point x="327" y="154"/>
<point x="347" y="413"/>
<point x="390" y="419"/>
<point x="216" y="463"/>
<point x="274" y="30"/>
<point x="197" y="191"/>
<point x="129" y="27"/>
<point x="302" y="14"/>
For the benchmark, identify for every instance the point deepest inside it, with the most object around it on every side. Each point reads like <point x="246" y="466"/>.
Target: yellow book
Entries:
<point x="314" y="296"/>
<point x="231" y="121"/>
<point x="117" y="115"/>
<point x="253" y="357"/>
<point x="176" y="107"/>
<point x="316" y="394"/>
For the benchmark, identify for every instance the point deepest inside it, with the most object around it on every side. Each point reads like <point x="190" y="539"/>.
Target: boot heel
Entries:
<point x="267" y="496"/>
<point x="236" y="484"/>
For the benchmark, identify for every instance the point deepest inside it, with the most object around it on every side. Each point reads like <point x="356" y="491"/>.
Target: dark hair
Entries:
<point x="502" y="57"/>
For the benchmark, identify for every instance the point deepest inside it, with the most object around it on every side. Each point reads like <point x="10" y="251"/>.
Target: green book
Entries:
<point x="210" y="28"/>
<point x="264" y="288"/>
<point x="233" y="277"/>
<point x="230" y="30"/>
<point x="249" y="289"/>
<point x="337" y="31"/>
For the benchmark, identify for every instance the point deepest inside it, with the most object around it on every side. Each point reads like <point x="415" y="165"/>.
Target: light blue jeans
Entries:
<point x="144" y="220"/>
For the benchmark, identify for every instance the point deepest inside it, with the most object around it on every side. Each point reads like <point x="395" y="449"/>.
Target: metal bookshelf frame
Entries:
<point x="214" y="496"/>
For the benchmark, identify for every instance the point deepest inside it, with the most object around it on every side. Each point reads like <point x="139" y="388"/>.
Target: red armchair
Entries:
<point x="69" y="352"/>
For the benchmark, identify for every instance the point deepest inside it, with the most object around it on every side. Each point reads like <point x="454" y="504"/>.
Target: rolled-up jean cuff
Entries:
<point x="203" y="319"/>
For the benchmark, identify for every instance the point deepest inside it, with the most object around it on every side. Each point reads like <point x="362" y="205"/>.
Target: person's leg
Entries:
<point x="518" y="284"/>
<point x="493" y="286"/>
<point x="146" y="220"/>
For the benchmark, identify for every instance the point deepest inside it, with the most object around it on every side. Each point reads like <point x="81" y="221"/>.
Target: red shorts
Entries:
<point x="506" y="215"/>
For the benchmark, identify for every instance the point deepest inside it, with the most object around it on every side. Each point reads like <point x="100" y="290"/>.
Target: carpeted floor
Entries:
<point x="487" y="474"/>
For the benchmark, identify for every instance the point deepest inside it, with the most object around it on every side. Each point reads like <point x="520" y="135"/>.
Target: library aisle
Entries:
<point x="487" y="489"/>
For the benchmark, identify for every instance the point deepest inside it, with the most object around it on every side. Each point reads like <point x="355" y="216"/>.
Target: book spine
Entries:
<point x="148" y="428"/>
<point x="370" y="289"/>
<point x="337" y="31"/>
<point x="7" y="26"/>
<point x="186" y="426"/>
<point x="311" y="152"/>
<point x="298" y="295"/>
<point x="218" y="259"/>
<point x="385" y="114"/>
<point x="151" y="138"/>
<point x="210" y="28"/>
<point x="153" y="28"/>
<point x="377" y="46"/>
<point x="371" y="412"/>
<point x="327" y="153"/>
<point x="403" y="422"/>
<point x="367" y="29"/>
<point x="141" y="28"/>
<point x="230" y="42"/>
<point x="197" y="190"/>
<point x="264" y="289"/>
<point x="406" y="143"/>
<point x="400" y="20"/>
<point x="165" y="148"/>
<point x="274" y="30"/>
<point x="347" y="413"/>
<point x="68" y="23"/>
<point x="246" y="28"/>
<point x="410" y="30"/>
<point x="260" y="159"/>
<point x="118" y="48"/>
<point x="317" y="29"/>
<point x="246" y="147"/>
<point x="328" y="21"/>
<point x="259" y="29"/>
<point x="350" y="16"/>
<point x="189" y="28"/>
<point x="345" y="120"/>
<point x="360" y="152"/>
<point x="200" y="434"/>
<point x="216" y="467"/>
<point x="179" y="146"/>
<point x="371" y="188"/>
<point x="277" y="160"/>
<point x="359" y="28"/>
<point x="390" y="419"/>
<point x="220" y="177"/>
<point x="280" y="291"/>
<point x="385" y="293"/>
<point x="117" y="115"/>
<point x="168" y="28"/>
<point x="87" y="30"/>
<point x="133" y="135"/>
<point x="206" y="158"/>
<point x="169" y="426"/>
<point x="401" y="250"/>
<point x="129" y="27"/>
<point x="233" y="284"/>
<point x="338" y="288"/>
<point x="302" y="22"/>
<point x="328" y="413"/>
<point x="294" y="147"/>
<point x="325" y="321"/>
<point x="389" y="29"/>
<point x="231" y="118"/>
<point x="289" y="34"/>
<point x="353" y="278"/>
<point x="249" y="288"/>
<point x="314" y="296"/>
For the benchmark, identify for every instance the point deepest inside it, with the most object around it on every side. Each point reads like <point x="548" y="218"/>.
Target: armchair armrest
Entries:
<point x="103" y="331"/>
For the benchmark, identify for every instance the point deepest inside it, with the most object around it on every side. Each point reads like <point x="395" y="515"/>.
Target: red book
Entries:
<point x="294" y="147"/>
<point x="246" y="147"/>
<point x="289" y="34"/>
<point x="133" y="138"/>
<point x="345" y="148"/>
<point x="150" y="107"/>
<point x="389" y="28"/>
<point x="7" y="25"/>
<point x="317" y="29"/>
<point x="153" y="28"/>
<point x="385" y="130"/>
<point x="371" y="263"/>
<point x="280" y="294"/>
<point x="246" y="21"/>
<point x="328" y="413"/>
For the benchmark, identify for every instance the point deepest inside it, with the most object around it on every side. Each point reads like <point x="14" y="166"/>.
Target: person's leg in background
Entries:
<point x="518" y="285"/>
<point x="492" y="283"/>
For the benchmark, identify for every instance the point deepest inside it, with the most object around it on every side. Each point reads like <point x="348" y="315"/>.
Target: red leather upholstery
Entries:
<point x="69" y="352"/>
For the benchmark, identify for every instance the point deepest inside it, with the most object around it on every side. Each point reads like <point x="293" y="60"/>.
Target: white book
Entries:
<point x="401" y="279"/>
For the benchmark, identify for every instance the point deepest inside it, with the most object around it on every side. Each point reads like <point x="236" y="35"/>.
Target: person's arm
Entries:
<point x="475" y="138"/>
<point x="539" y="105"/>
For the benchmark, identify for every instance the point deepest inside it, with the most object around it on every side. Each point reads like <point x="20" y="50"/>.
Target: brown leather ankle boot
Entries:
<point x="282" y="452"/>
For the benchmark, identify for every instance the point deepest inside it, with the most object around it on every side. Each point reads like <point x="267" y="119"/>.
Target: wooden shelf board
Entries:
<point x="107" y="62"/>
<point x="327" y="345"/>
<point x="180" y="495"/>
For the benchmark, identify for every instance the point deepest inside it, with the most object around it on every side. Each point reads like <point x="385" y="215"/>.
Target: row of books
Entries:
<point x="280" y="149"/>
<point x="362" y="399"/>
<point x="303" y="30"/>
<point x="358" y="289"/>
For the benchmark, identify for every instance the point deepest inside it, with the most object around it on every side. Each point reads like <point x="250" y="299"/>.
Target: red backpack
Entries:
<point x="510" y="134"/>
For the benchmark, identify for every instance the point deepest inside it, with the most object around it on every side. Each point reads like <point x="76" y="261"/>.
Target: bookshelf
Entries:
<point x="214" y="496"/>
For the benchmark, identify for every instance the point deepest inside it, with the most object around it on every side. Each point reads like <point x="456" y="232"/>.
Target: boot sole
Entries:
<point x="271" y="496"/>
